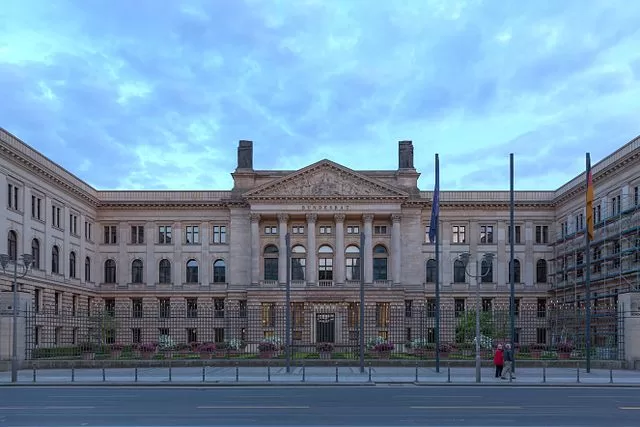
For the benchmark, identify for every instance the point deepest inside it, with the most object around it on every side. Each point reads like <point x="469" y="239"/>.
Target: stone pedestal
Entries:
<point x="6" y="324"/>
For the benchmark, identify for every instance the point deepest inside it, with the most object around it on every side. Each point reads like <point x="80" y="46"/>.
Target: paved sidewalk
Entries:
<point x="317" y="375"/>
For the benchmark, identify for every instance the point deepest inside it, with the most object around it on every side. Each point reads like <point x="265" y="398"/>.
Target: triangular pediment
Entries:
<point x="327" y="180"/>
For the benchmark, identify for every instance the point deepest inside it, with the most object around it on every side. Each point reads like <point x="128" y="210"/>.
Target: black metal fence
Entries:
<point x="317" y="331"/>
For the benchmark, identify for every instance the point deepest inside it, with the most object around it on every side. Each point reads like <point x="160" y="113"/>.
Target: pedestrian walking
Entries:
<point x="508" y="363"/>
<point x="498" y="360"/>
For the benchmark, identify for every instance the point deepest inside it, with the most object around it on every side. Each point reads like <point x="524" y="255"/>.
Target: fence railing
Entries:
<point x="393" y="332"/>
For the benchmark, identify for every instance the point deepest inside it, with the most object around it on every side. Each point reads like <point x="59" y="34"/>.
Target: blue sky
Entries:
<point x="154" y="94"/>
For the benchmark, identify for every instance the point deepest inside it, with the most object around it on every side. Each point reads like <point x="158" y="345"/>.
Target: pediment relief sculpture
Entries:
<point x="325" y="181"/>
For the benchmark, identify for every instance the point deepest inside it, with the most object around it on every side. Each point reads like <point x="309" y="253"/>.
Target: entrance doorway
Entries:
<point x="325" y="327"/>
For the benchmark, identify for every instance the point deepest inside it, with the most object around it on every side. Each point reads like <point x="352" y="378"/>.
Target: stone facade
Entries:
<point x="94" y="245"/>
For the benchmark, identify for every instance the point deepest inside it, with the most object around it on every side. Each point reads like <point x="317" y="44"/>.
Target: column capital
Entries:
<point x="339" y="217"/>
<point x="255" y="217"/>
<point x="312" y="218"/>
<point x="283" y="217"/>
<point x="367" y="217"/>
<point x="396" y="217"/>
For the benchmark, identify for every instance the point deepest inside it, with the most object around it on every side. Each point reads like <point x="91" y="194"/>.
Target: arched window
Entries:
<point x="136" y="271"/>
<point x="431" y="271"/>
<point x="541" y="271"/>
<point x="12" y="245"/>
<point x="72" y="264"/>
<point x="516" y="271"/>
<point x="459" y="272"/>
<point x="87" y="269"/>
<point x="325" y="263"/>
<point x="270" y="254"/>
<point x="109" y="271"/>
<point x="164" y="271"/>
<point x="352" y="263"/>
<point x="298" y="263"/>
<point x="192" y="271"/>
<point x="55" y="260"/>
<point x="35" y="253"/>
<point x="380" y="257"/>
<point x="219" y="271"/>
<point x="486" y="271"/>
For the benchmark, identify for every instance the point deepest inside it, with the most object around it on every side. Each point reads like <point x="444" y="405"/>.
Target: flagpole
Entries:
<point x="587" y="275"/>
<point x="512" y="267"/>
<point x="436" y="209"/>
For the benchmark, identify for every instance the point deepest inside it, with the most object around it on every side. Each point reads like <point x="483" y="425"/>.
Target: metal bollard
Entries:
<point x="610" y="376"/>
<point x="237" y="373"/>
<point x="510" y="376"/>
<point x="269" y="373"/>
<point x="304" y="375"/>
<point x="204" y="374"/>
<point x="336" y="373"/>
<point x="416" y="372"/>
<point x="577" y="373"/>
<point x="34" y="374"/>
<point x="369" y="373"/>
<point x="170" y="373"/>
<point x="73" y="374"/>
<point x="135" y="374"/>
<point x="544" y="374"/>
<point x="448" y="373"/>
<point x="104" y="375"/>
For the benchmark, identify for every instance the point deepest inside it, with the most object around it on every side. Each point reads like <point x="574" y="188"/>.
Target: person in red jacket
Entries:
<point x="498" y="360"/>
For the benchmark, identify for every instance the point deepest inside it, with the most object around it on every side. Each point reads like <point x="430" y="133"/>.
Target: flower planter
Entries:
<point x="536" y="354"/>
<point x="205" y="355"/>
<point x="220" y="354"/>
<point x="564" y="355"/>
<point x="384" y="354"/>
<point x="266" y="354"/>
<point x="325" y="355"/>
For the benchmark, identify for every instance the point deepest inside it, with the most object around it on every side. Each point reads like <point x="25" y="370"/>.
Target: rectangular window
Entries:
<point x="325" y="229"/>
<point x="110" y="234"/>
<point x="136" y="308"/>
<point x="325" y="269"/>
<point x="597" y="214"/>
<point x="219" y="234"/>
<point x="636" y="195"/>
<point x="74" y="305"/>
<point x="427" y="239"/>
<point x="137" y="234"/>
<point x="192" y="308"/>
<point x="270" y="229"/>
<point x="192" y="236"/>
<point x="37" y="299"/>
<point x="165" y="308"/>
<point x="579" y="222"/>
<point x="36" y="207"/>
<point x="541" y="336"/>
<point x="542" y="234"/>
<point x="459" y="307"/>
<point x="297" y="229"/>
<point x="616" y="205"/>
<point x="12" y="196"/>
<point x="353" y="229"/>
<point x="487" y="304"/>
<point x="459" y="234"/>
<point x="136" y="335"/>
<point x="73" y="224"/>
<point x="110" y="306"/>
<point x="271" y="269"/>
<point x="218" y="335"/>
<point x="56" y="303"/>
<point x="192" y="335"/>
<point x="380" y="229"/>
<point x="218" y="308"/>
<point x="542" y="307"/>
<point x="408" y="308"/>
<point x="87" y="231"/>
<point x="55" y="216"/>
<point x="164" y="235"/>
<point x="431" y="307"/>
<point x="268" y="315"/>
<point x="242" y="308"/>
<point x="383" y="314"/>
<point x="518" y="239"/>
<point x="486" y="234"/>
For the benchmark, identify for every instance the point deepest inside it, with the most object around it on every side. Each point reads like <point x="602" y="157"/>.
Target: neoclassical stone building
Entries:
<point x="148" y="250"/>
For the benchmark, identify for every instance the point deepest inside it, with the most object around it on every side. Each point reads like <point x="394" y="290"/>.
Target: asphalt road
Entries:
<point x="319" y="406"/>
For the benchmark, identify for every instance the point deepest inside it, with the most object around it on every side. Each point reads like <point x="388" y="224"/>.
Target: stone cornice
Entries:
<point x="20" y="153"/>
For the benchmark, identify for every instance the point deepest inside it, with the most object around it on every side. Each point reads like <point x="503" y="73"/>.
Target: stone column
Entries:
<point x="396" y="249"/>
<point x="179" y="265"/>
<point x="312" y="265"/>
<point x="151" y="266"/>
<point x="255" y="248"/>
<point x="367" y="252"/>
<point x="282" y="250"/>
<point x="340" y="267"/>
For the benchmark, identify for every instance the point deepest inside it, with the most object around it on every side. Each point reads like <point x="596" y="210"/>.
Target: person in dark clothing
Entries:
<point x="498" y="360"/>
<point x="508" y="363"/>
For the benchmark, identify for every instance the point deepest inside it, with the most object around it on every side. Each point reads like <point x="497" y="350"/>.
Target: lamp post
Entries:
<point x="488" y="258"/>
<point x="26" y="263"/>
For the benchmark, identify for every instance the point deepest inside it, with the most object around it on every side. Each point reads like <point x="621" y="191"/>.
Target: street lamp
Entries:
<point x="26" y="263"/>
<point x="488" y="258"/>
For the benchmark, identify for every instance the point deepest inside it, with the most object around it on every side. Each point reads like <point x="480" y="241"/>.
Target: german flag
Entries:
<point x="589" y="200"/>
